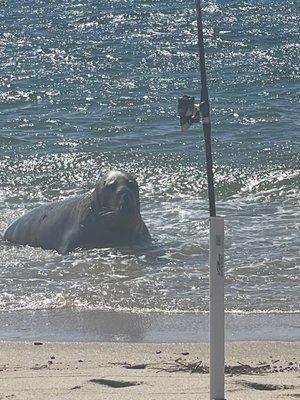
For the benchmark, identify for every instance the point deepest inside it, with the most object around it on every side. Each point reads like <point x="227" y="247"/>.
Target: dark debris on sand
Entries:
<point x="180" y="365"/>
<point x="113" y="383"/>
<point x="266" y="386"/>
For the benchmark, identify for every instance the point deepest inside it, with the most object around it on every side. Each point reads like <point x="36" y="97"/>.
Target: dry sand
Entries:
<point x="109" y="371"/>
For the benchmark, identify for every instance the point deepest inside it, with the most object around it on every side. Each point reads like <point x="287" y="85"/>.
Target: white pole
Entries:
<point x="216" y="307"/>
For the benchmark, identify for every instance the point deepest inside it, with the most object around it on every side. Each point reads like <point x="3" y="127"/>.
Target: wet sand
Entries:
<point x="65" y="325"/>
<point x="152" y="371"/>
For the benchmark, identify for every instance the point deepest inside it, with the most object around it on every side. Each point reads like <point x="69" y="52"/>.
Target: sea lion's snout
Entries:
<point x="127" y="204"/>
<point x="120" y="193"/>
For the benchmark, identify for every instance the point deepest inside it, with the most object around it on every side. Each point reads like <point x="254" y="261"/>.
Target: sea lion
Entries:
<point x="108" y="216"/>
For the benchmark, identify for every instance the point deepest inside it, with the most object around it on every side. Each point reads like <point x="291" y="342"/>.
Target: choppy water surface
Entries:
<point x="86" y="87"/>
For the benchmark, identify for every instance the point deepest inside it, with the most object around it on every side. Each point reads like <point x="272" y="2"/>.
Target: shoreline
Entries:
<point x="65" y="325"/>
<point x="145" y="371"/>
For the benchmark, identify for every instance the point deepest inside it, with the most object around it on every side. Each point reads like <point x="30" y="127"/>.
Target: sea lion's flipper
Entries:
<point x="69" y="243"/>
<point x="145" y="232"/>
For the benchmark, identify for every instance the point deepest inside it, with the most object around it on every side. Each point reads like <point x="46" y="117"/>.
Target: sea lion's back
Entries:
<point x="42" y="226"/>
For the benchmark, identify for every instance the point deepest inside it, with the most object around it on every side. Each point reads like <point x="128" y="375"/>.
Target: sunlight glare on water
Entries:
<point x="90" y="87"/>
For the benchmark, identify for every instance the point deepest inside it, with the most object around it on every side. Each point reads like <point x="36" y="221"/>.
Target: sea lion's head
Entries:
<point x="117" y="192"/>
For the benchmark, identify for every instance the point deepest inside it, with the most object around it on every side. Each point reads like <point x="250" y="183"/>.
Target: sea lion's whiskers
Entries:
<point x="106" y="213"/>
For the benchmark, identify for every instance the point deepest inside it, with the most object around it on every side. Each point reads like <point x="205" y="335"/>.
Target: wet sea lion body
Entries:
<point x="109" y="216"/>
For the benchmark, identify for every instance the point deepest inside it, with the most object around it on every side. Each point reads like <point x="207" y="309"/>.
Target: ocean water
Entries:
<point x="93" y="85"/>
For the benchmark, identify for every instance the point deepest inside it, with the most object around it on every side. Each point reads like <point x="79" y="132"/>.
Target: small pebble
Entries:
<point x="52" y="358"/>
<point x="80" y="360"/>
<point x="158" y="351"/>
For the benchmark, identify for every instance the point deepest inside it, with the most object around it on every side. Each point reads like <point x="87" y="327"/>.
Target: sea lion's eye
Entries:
<point x="110" y="185"/>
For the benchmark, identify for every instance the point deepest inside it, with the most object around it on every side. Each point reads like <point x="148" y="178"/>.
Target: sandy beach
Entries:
<point x="108" y="371"/>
